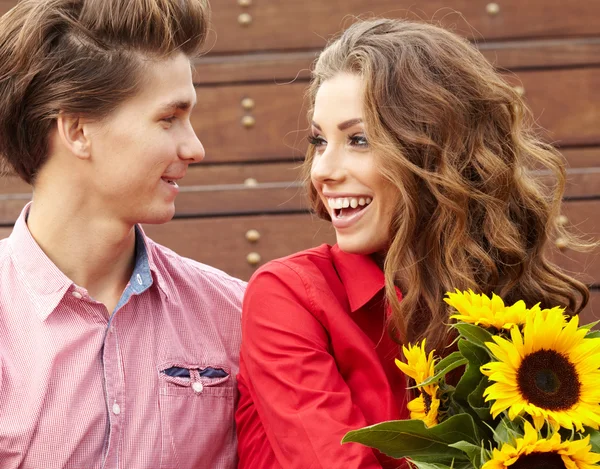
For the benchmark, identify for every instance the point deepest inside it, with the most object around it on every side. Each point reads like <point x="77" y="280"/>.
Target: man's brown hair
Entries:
<point x="81" y="57"/>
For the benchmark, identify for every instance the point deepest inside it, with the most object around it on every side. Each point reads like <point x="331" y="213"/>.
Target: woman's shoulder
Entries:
<point x="317" y="261"/>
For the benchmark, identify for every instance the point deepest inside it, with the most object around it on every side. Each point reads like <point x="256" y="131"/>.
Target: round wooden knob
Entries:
<point x="492" y="9"/>
<point x="252" y="235"/>
<point x="253" y="258"/>
<point x="561" y="243"/>
<point x="248" y="104"/>
<point x="520" y="90"/>
<point x="248" y="122"/>
<point x="245" y="19"/>
<point x="562" y="220"/>
<point x="250" y="182"/>
<point x="244" y="3"/>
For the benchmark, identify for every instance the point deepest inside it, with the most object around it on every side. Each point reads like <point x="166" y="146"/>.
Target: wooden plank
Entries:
<point x="591" y="313"/>
<point x="279" y="131"/>
<point x="289" y="24"/>
<point x="219" y="190"/>
<point x="222" y="243"/>
<point x="566" y="102"/>
<point x="583" y="220"/>
<point x="289" y="66"/>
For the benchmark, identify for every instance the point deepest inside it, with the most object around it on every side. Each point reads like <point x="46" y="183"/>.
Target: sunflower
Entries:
<point x="550" y="371"/>
<point x="420" y="367"/>
<point x="532" y="452"/>
<point x="481" y="310"/>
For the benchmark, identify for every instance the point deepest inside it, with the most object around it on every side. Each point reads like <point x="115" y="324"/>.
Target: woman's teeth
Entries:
<point x="345" y="202"/>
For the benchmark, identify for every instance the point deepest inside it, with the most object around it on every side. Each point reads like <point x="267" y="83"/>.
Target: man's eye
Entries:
<point x="169" y="119"/>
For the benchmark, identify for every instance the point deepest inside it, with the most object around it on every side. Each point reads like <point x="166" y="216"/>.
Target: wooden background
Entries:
<point x="244" y="205"/>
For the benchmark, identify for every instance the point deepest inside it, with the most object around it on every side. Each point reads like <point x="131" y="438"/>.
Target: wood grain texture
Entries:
<point x="222" y="243"/>
<point x="288" y="66"/>
<point x="565" y="104"/>
<point x="290" y="24"/>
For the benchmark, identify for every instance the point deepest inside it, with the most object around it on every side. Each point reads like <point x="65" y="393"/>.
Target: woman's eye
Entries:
<point x="359" y="141"/>
<point x="316" y="141"/>
<point x="169" y="119"/>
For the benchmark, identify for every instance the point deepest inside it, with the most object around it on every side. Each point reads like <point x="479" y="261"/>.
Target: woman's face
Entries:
<point x="345" y="171"/>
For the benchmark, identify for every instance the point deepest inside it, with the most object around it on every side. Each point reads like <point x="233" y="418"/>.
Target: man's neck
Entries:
<point x="96" y="253"/>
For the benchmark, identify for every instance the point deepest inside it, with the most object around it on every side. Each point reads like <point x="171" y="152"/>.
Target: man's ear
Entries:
<point x="73" y="134"/>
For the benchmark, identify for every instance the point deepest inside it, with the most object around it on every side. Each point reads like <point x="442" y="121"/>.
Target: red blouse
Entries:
<point x="316" y="362"/>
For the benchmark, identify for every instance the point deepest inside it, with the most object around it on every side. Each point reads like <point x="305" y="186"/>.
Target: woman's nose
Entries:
<point x="328" y="165"/>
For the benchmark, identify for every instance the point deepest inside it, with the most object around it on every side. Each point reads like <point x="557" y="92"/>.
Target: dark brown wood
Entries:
<point x="583" y="220"/>
<point x="219" y="190"/>
<point x="543" y="53"/>
<point x="582" y="157"/>
<point x="591" y="313"/>
<point x="565" y="102"/>
<point x="290" y="24"/>
<point x="285" y="67"/>
<point x="222" y="243"/>
<point x="279" y="131"/>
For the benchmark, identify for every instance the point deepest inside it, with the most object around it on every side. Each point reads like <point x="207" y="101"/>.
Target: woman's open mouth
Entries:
<point x="346" y="211"/>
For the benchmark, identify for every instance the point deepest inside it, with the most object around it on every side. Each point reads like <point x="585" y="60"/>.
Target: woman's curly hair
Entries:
<point x="455" y="140"/>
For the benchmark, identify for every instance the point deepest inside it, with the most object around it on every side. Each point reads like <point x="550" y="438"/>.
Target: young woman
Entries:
<point x="420" y="156"/>
<point x="114" y="351"/>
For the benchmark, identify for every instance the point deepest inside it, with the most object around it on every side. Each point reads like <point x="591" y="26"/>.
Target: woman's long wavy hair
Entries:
<point x="454" y="138"/>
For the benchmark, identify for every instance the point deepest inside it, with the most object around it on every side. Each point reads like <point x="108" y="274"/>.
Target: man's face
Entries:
<point x="142" y="149"/>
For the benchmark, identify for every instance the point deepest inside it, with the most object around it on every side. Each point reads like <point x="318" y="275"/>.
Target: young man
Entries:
<point x="114" y="351"/>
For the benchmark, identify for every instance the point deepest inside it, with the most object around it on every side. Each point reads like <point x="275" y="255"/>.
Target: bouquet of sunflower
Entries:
<point x="529" y="395"/>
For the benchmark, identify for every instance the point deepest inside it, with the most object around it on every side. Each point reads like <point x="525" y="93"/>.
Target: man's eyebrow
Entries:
<point x="178" y="105"/>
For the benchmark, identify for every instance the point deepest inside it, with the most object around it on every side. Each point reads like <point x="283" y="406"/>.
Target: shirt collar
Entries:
<point x="145" y="264"/>
<point x="46" y="284"/>
<point x="361" y="276"/>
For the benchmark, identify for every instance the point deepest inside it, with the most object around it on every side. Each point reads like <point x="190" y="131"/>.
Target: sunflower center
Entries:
<point x="539" y="461"/>
<point x="549" y="380"/>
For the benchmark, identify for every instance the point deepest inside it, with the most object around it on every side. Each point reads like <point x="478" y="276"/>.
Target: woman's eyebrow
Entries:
<point x="343" y="125"/>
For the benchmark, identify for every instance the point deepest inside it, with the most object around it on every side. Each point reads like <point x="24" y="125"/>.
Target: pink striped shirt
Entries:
<point x="152" y="388"/>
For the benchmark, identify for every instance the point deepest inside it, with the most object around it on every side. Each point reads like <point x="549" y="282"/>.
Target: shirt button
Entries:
<point x="77" y="295"/>
<point x="116" y="409"/>
<point x="138" y="277"/>
<point x="197" y="387"/>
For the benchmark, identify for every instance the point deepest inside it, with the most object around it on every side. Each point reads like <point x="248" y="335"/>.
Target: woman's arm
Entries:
<point x="302" y="401"/>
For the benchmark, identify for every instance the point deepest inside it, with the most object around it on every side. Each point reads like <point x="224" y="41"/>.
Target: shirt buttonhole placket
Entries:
<point x="197" y="385"/>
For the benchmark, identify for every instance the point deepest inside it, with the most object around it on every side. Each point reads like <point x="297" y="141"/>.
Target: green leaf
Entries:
<point x="589" y="326"/>
<point x="592" y="335"/>
<point x="477" y="401"/>
<point x="443" y="367"/>
<point x="472" y="376"/>
<point x="426" y="465"/>
<point x="594" y="439"/>
<point x="473" y="452"/>
<point x="475" y="334"/>
<point x="412" y="439"/>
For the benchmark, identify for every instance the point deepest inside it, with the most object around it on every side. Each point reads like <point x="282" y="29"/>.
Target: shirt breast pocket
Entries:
<point x="197" y="415"/>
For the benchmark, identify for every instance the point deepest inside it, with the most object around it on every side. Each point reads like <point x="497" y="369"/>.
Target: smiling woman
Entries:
<point x="419" y="156"/>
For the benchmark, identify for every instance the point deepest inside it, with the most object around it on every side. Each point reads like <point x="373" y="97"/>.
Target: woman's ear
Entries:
<point x="74" y="135"/>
